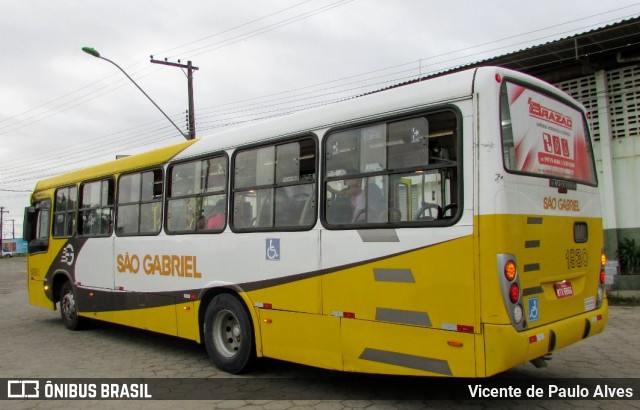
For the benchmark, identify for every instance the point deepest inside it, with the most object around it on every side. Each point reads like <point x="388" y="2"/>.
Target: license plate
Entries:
<point x="563" y="289"/>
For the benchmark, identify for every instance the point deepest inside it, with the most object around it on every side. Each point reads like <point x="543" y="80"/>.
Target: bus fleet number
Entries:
<point x="577" y="258"/>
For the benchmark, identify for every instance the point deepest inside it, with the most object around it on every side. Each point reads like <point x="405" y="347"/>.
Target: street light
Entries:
<point x="95" y="53"/>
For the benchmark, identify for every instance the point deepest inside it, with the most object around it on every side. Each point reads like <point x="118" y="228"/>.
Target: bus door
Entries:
<point x="36" y="233"/>
<point x="94" y="266"/>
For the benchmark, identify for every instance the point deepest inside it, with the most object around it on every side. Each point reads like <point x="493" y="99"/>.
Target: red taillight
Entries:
<point x="514" y="293"/>
<point x="603" y="262"/>
<point x="498" y="78"/>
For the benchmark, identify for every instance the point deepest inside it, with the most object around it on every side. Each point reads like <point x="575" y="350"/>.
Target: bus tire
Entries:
<point x="228" y="334"/>
<point x="69" y="308"/>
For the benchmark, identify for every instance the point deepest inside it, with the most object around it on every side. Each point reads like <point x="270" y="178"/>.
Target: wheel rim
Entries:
<point x="227" y="333"/>
<point x="68" y="305"/>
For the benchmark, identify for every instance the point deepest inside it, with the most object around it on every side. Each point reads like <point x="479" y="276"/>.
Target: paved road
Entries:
<point x="34" y="344"/>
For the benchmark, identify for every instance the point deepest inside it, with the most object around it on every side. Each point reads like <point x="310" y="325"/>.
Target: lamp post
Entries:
<point x="95" y="53"/>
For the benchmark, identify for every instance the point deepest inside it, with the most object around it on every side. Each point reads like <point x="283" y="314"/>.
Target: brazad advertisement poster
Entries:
<point x="550" y="137"/>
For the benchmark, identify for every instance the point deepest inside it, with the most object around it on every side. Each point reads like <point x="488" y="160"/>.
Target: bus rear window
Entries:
<point x="544" y="137"/>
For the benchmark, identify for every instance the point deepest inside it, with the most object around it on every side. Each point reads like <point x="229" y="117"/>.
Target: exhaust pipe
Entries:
<point x="541" y="362"/>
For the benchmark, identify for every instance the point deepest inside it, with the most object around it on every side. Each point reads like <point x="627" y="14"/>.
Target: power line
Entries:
<point x="13" y="127"/>
<point x="64" y="106"/>
<point x="162" y="133"/>
<point x="206" y="109"/>
<point x="58" y="108"/>
<point x="68" y="152"/>
<point x="277" y="112"/>
<point x="289" y="109"/>
<point x="231" y="29"/>
<point x="257" y="32"/>
<point x="51" y="171"/>
<point x="268" y="28"/>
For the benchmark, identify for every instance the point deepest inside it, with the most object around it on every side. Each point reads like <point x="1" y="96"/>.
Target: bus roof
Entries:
<point x="133" y="162"/>
<point x="397" y="100"/>
<point x="368" y="107"/>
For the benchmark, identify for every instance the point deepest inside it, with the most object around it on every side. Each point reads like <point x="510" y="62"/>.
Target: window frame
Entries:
<point x="313" y="196"/>
<point x="111" y="207"/>
<point x="73" y="214"/>
<point x="197" y="196"/>
<point x="558" y="98"/>
<point x="140" y="202"/>
<point x="457" y="166"/>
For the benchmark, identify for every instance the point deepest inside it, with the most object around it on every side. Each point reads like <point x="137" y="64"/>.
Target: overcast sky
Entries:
<point x="61" y="109"/>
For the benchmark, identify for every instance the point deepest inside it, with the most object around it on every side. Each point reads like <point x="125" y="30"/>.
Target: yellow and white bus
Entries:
<point x="448" y="227"/>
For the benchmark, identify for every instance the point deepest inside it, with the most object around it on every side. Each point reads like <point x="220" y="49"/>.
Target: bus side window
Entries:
<point x="242" y="211"/>
<point x="64" y="212"/>
<point x="358" y="200"/>
<point x="274" y="186"/>
<point x="96" y="208"/>
<point x="197" y="200"/>
<point x="139" y="203"/>
<point x="399" y="172"/>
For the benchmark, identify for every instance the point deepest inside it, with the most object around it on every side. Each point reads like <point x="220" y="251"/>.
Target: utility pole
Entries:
<point x="2" y="212"/>
<point x="13" y="228"/>
<point x="190" y="69"/>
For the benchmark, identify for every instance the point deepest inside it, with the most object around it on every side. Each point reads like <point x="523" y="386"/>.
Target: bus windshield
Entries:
<point x="545" y="137"/>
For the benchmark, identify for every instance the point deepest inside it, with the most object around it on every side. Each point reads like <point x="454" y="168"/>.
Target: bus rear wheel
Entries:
<point x="69" y="308"/>
<point x="228" y="334"/>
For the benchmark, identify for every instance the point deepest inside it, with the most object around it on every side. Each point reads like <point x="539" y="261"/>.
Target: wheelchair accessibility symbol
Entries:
<point x="272" y="249"/>
<point x="534" y="312"/>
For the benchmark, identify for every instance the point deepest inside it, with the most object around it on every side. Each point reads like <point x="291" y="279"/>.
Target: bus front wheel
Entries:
<point x="69" y="308"/>
<point x="228" y="334"/>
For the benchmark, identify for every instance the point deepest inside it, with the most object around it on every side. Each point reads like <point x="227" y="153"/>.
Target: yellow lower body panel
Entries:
<point x="387" y="348"/>
<point x="302" y="338"/>
<point x="171" y="318"/>
<point x="187" y="321"/>
<point x="158" y="319"/>
<point x="506" y="348"/>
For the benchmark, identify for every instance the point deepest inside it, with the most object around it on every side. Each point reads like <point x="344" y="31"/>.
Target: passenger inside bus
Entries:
<point x="216" y="216"/>
<point x="364" y="205"/>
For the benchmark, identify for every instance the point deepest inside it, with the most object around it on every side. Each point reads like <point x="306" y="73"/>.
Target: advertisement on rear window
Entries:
<point x="545" y="136"/>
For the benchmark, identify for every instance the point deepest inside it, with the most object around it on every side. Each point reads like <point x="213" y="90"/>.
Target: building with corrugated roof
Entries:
<point x="601" y="69"/>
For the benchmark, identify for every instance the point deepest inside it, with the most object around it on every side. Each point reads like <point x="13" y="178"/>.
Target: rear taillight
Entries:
<point x="603" y="263"/>
<point x="510" y="270"/>
<point x="514" y="293"/>
<point x="510" y="286"/>
<point x="601" y="279"/>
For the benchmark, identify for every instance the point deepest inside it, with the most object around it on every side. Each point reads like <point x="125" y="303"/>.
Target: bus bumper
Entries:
<point x="506" y="348"/>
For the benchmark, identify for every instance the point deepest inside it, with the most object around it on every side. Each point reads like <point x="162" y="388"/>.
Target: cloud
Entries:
<point x="61" y="108"/>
